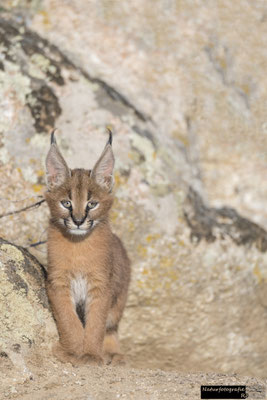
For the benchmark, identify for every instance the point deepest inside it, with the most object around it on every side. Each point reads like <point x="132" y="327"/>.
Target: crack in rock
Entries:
<point x="209" y="223"/>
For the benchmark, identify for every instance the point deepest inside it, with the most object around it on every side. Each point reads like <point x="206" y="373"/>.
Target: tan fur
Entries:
<point x="97" y="258"/>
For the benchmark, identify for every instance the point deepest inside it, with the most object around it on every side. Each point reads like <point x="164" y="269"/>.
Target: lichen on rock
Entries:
<point x="26" y="322"/>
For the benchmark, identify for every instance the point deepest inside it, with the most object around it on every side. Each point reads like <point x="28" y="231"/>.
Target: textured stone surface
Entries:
<point x="25" y="321"/>
<point x="183" y="84"/>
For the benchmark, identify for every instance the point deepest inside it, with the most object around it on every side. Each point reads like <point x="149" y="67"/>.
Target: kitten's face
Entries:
<point x="79" y="204"/>
<point x="79" y="199"/>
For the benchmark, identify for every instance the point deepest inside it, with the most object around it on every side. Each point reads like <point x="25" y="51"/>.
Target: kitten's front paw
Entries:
<point x="65" y="357"/>
<point x="114" y="359"/>
<point x="60" y="353"/>
<point x="73" y="345"/>
<point x="92" y="359"/>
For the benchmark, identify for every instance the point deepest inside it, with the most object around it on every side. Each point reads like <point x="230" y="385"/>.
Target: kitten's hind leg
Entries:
<point x="111" y="345"/>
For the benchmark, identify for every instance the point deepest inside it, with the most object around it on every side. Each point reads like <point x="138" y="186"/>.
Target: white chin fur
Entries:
<point x="77" y="231"/>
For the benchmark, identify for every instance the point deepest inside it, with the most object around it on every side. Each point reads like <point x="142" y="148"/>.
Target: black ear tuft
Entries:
<point x="110" y="136"/>
<point x="53" y="138"/>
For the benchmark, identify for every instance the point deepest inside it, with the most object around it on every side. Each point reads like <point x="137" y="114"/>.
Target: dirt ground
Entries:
<point x="51" y="380"/>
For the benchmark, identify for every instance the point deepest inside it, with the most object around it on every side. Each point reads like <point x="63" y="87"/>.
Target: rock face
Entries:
<point x="25" y="320"/>
<point x="180" y="88"/>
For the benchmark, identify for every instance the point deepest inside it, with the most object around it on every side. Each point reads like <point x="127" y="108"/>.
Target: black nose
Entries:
<point x="78" y="222"/>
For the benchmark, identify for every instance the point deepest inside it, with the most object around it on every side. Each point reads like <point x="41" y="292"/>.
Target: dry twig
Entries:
<point x="36" y="244"/>
<point x="32" y="206"/>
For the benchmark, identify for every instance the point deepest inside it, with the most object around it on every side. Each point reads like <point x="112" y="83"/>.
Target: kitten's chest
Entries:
<point x="80" y="288"/>
<point x="78" y="266"/>
<point x="84" y="256"/>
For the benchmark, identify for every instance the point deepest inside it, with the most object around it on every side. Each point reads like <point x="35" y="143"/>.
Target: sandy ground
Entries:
<point x="51" y="380"/>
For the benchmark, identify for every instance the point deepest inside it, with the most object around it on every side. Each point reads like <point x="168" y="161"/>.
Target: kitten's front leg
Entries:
<point x="70" y="329"/>
<point x="95" y="328"/>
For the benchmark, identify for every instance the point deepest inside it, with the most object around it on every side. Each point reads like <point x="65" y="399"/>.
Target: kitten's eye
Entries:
<point x="66" y="203"/>
<point x="91" y="204"/>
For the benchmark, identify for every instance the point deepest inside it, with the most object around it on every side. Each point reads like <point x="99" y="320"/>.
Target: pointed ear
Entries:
<point x="57" y="170"/>
<point x="102" y="172"/>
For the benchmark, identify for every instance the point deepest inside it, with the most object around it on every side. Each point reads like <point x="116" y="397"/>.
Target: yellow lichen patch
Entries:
<point x="245" y="89"/>
<point x="257" y="273"/>
<point x="40" y="172"/>
<point x="173" y="275"/>
<point x="140" y="284"/>
<point x="46" y="20"/>
<point x="222" y="62"/>
<point x="37" y="188"/>
<point x="135" y="156"/>
<point x="166" y="262"/>
<point x="12" y="252"/>
<point x="152" y="237"/>
<point x="119" y="179"/>
<point x="141" y="250"/>
<point x="145" y="271"/>
<point x="116" y="203"/>
<point x="154" y="284"/>
<point x="169" y="246"/>
<point x="114" y="215"/>
<point x="180" y="136"/>
<point x="167" y="285"/>
<point x="131" y="227"/>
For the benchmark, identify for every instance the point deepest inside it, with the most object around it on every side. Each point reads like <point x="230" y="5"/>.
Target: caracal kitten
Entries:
<point x="88" y="268"/>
